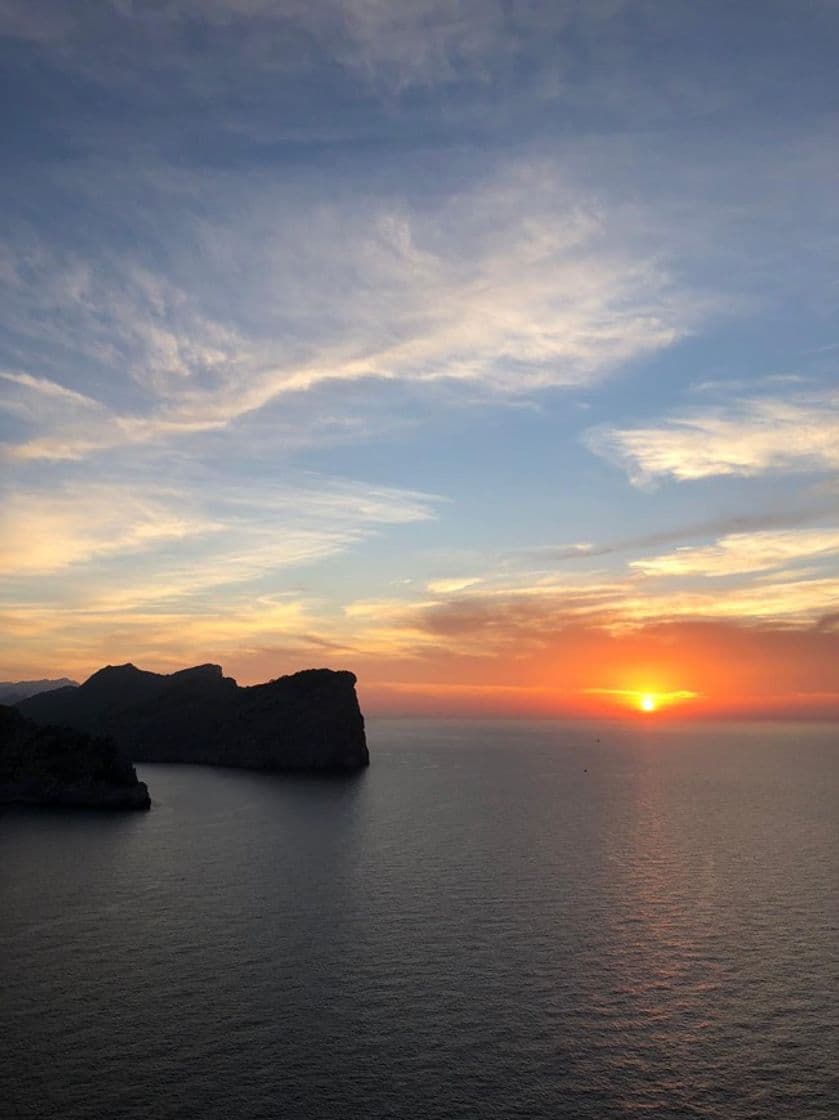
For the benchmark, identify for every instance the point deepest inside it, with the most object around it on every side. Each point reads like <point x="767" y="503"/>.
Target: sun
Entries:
<point x="653" y="701"/>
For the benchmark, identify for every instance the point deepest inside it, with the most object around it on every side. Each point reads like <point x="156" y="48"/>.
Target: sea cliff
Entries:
<point x="309" y="721"/>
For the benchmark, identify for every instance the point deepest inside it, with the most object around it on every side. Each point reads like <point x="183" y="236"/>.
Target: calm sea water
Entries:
<point x="496" y="920"/>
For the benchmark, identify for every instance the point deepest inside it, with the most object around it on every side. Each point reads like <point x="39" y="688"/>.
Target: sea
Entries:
<point x="496" y="919"/>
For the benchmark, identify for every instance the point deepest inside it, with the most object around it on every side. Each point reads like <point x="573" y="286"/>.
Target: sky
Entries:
<point x="487" y="348"/>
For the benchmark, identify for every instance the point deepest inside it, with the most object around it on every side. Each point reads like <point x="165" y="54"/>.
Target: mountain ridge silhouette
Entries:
<point x="306" y="721"/>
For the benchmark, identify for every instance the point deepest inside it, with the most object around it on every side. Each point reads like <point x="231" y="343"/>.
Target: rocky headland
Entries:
<point x="59" y="766"/>
<point x="309" y="721"/>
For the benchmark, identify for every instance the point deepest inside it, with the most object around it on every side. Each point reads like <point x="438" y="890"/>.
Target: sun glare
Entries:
<point x="660" y="702"/>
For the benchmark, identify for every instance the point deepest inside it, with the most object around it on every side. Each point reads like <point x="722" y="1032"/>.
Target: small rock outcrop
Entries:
<point x="309" y="721"/>
<point x="60" y="766"/>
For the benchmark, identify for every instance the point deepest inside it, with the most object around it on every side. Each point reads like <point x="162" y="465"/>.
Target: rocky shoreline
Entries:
<point x="62" y="767"/>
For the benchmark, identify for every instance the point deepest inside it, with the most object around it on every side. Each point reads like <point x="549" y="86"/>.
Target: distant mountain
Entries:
<point x="59" y="766"/>
<point x="12" y="692"/>
<point x="308" y="721"/>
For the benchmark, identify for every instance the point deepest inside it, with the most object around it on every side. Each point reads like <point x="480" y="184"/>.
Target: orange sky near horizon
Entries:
<point x="477" y="348"/>
<point x="696" y="670"/>
<point x="693" y="670"/>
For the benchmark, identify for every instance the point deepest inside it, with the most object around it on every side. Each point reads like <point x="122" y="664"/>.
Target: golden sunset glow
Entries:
<point x="645" y="700"/>
<point x="410" y="422"/>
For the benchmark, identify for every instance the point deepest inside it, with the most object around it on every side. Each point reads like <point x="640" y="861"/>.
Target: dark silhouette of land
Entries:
<point x="59" y="766"/>
<point x="310" y="721"/>
<point x="12" y="692"/>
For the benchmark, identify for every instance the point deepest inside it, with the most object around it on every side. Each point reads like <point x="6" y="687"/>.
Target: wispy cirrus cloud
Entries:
<point x="95" y="571"/>
<point x="229" y="535"/>
<point x="46" y="532"/>
<point x="740" y="553"/>
<point x="449" y="55"/>
<point x="43" y="387"/>
<point x="518" y="283"/>
<point x="396" y="44"/>
<point x="386" y="49"/>
<point x="747" y="437"/>
<point x="46" y="407"/>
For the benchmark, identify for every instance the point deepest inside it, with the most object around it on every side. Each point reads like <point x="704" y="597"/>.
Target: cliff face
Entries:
<point x="59" y="766"/>
<point x="308" y="721"/>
